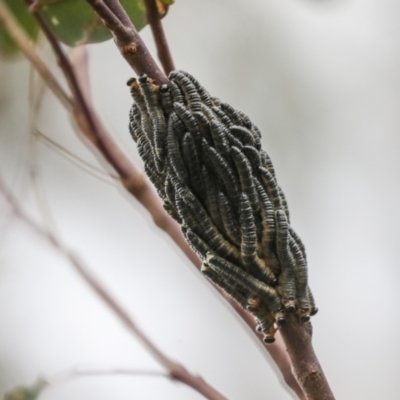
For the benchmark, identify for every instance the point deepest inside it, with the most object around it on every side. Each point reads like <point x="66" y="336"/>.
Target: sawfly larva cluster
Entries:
<point x="206" y="162"/>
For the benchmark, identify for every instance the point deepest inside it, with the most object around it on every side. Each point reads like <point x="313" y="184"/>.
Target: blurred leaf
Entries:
<point x="166" y="2"/>
<point x="74" y="22"/>
<point x="22" y="15"/>
<point x="26" y="393"/>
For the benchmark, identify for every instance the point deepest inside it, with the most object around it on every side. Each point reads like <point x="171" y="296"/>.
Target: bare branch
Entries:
<point x="308" y="371"/>
<point x="79" y="372"/>
<point x="127" y="39"/>
<point x="24" y="43"/>
<point x="175" y="370"/>
<point x="163" y="52"/>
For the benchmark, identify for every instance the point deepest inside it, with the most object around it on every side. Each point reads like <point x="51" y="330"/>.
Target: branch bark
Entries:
<point x="127" y="39"/>
<point x="297" y="338"/>
<point x="163" y="52"/>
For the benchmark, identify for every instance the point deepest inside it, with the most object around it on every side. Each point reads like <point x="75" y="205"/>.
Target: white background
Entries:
<point x="322" y="81"/>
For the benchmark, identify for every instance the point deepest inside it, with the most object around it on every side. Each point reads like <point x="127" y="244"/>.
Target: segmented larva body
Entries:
<point x="206" y="162"/>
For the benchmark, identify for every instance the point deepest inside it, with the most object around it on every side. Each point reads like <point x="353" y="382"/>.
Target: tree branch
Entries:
<point x="83" y="114"/>
<point x="127" y="39"/>
<point x="297" y="338"/>
<point x="175" y="370"/>
<point x="163" y="52"/>
<point x="25" y="45"/>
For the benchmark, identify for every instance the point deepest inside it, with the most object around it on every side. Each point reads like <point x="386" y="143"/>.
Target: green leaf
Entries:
<point x="166" y="2"/>
<point x="25" y="19"/>
<point x="27" y="393"/>
<point x="74" y="22"/>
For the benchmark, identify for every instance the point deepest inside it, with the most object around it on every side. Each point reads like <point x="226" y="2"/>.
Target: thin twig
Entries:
<point x="25" y="45"/>
<point x="93" y="170"/>
<point x="175" y="370"/>
<point x="77" y="372"/>
<point x="154" y="20"/>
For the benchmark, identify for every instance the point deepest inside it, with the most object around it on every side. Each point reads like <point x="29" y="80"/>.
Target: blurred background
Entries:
<point x="321" y="79"/>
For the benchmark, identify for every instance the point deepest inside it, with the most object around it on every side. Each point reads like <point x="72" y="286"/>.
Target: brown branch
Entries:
<point x="127" y="39"/>
<point x="297" y="338"/>
<point x="277" y="350"/>
<point x="175" y="370"/>
<point x="83" y="115"/>
<point x="134" y="182"/>
<point x="154" y="20"/>
<point x="25" y="45"/>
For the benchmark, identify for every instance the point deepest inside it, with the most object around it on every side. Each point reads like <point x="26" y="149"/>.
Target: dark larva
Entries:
<point x="219" y="138"/>
<point x="233" y="141"/>
<point x="204" y="95"/>
<point x="248" y="229"/>
<point x="192" y="163"/>
<point x="222" y="117"/>
<point x="177" y="96"/>
<point x="242" y="134"/>
<point x="222" y="170"/>
<point x="301" y="276"/>
<point x="272" y="187"/>
<point x="224" y="284"/>
<point x="134" y="121"/>
<point x="189" y="90"/>
<point x="156" y="114"/>
<point x="253" y="156"/>
<point x="166" y="99"/>
<point x="232" y="114"/>
<point x="187" y="118"/>
<point x="286" y="280"/>
<point x="313" y="308"/>
<point x="175" y="158"/>
<point x="255" y="287"/>
<point x="211" y="200"/>
<point x="198" y="245"/>
<point x="177" y="125"/>
<point x="243" y="168"/>
<point x="268" y="217"/>
<point x="266" y="162"/>
<point x="204" y="127"/>
<point x="229" y="220"/>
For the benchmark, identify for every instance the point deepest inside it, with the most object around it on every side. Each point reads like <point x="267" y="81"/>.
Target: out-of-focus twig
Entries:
<point x="25" y="45"/>
<point x="93" y="170"/>
<point x="175" y="370"/>
<point x="163" y="52"/>
<point x="79" y="372"/>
